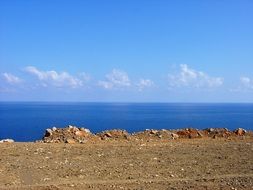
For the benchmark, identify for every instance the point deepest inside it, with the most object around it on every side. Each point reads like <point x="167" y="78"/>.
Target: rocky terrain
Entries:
<point x="74" y="158"/>
<point x="72" y="134"/>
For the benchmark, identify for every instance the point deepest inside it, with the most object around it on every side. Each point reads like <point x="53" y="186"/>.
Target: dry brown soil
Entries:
<point x="177" y="164"/>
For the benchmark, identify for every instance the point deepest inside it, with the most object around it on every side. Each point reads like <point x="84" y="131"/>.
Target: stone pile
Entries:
<point x="70" y="134"/>
<point x="218" y="132"/>
<point x="156" y="134"/>
<point x="73" y="134"/>
<point x="113" y="134"/>
<point x="190" y="133"/>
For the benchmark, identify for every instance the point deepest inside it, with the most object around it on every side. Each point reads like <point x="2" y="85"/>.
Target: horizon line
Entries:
<point x="120" y="102"/>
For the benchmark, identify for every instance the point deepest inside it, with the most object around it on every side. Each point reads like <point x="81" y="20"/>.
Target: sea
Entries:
<point x="27" y="121"/>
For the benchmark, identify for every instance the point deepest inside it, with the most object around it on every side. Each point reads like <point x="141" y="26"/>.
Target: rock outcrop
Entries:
<point x="72" y="134"/>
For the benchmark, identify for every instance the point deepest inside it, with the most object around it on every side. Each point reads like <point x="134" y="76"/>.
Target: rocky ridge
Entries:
<point x="72" y="134"/>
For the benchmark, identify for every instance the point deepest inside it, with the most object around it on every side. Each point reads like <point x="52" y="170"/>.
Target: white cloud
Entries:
<point x="144" y="83"/>
<point x="11" y="79"/>
<point x="115" y="80"/>
<point x="188" y="77"/>
<point x="53" y="78"/>
<point x="246" y="82"/>
<point x="84" y="77"/>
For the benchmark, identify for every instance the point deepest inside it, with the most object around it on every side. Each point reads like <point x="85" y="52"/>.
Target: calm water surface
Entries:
<point x="28" y="121"/>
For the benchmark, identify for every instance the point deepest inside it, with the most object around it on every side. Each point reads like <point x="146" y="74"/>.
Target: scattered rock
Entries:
<point x="151" y="134"/>
<point x="113" y="134"/>
<point x="63" y="135"/>
<point x="72" y="134"/>
<point x="218" y="132"/>
<point x="189" y="133"/>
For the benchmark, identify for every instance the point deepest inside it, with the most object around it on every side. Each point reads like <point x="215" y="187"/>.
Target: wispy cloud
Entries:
<point x="144" y="83"/>
<point x="117" y="79"/>
<point x="11" y="79"/>
<point x="84" y="77"/>
<point x="247" y="82"/>
<point x="188" y="77"/>
<point x="48" y="78"/>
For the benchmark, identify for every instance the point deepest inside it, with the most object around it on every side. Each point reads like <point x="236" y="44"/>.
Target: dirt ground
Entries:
<point x="176" y="164"/>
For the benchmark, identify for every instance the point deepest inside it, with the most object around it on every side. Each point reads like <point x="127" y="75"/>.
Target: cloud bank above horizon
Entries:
<point x="118" y="80"/>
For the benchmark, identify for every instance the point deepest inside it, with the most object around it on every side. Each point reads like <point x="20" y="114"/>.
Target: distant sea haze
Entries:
<point x="28" y="121"/>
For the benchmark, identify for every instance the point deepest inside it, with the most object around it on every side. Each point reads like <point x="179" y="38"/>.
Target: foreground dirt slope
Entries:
<point x="178" y="164"/>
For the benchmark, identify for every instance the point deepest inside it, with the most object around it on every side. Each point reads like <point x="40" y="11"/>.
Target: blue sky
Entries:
<point x="133" y="51"/>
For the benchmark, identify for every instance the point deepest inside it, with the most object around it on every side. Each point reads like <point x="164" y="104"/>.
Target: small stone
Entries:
<point x="46" y="179"/>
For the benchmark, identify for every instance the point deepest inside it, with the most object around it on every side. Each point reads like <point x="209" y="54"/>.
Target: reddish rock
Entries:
<point x="240" y="131"/>
<point x="193" y="133"/>
<point x="59" y="135"/>
<point x="183" y="133"/>
<point x="114" y="134"/>
<point x="189" y="133"/>
<point x="218" y="132"/>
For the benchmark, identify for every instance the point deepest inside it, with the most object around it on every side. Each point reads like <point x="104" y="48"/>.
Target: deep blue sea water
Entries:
<point x="28" y="121"/>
